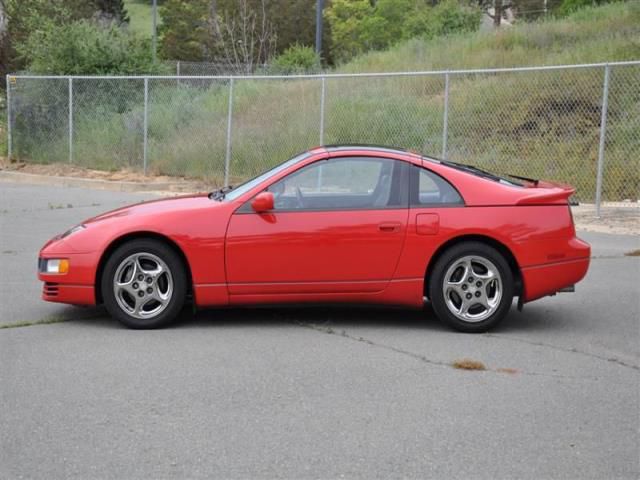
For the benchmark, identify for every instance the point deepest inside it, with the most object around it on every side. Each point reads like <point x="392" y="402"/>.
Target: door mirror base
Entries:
<point x="263" y="202"/>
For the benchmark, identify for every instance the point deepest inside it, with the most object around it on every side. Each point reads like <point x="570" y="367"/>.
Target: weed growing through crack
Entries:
<point x="468" y="364"/>
<point x="29" y="323"/>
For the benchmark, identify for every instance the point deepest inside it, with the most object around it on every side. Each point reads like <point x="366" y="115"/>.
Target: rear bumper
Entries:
<point x="542" y="280"/>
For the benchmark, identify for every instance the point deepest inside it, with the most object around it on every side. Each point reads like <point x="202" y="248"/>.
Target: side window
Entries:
<point x="341" y="183"/>
<point x="432" y="189"/>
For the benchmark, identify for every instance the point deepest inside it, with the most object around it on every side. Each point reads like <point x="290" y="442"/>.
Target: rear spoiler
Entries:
<point x="548" y="195"/>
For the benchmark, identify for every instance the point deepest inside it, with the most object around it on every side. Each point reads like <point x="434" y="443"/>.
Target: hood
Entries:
<point x="152" y="207"/>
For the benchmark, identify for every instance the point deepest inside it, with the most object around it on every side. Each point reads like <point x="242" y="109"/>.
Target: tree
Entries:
<point x="112" y="10"/>
<point x="185" y="32"/>
<point x="358" y="26"/>
<point x="245" y="40"/>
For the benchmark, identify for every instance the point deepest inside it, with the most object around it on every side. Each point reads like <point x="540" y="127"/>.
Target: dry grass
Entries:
<point x="633" y="253"/>
<point x="468" y="364"/>
<point x="510" y="371"/>
<point x="29" y="323"/>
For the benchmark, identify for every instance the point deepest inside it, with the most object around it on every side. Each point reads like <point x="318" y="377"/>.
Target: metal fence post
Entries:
<point x="146" y="125"/>
<point x="445" y="117"/>
<point x="70" y="120"/>
<point x="227" y="158"/>
<point x="603" y="135"/>
<point x="9" y="130"/>
<point x="322" y="99"/>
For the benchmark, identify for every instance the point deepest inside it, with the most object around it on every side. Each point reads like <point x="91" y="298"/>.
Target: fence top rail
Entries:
<point x="328" y="75"/>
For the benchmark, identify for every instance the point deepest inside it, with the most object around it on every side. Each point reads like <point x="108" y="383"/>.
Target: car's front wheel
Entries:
<point x="471" y="287"/>
<point x="144" y="284"/>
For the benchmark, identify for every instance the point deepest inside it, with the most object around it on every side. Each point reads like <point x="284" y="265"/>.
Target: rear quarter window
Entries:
<point x="432" y="189"/>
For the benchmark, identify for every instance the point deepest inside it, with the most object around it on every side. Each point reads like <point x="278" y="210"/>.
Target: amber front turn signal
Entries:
<point x="56" y="265"/>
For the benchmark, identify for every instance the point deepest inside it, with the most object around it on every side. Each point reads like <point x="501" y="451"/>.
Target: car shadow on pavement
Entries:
<point x="337" y="317"/>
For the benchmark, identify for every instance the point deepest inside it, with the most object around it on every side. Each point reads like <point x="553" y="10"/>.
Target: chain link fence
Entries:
<point x="578" y="124"/>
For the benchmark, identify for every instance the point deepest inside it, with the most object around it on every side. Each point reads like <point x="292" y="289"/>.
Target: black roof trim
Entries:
<point x="366" y="146"/>
<point x="380" y="148"/>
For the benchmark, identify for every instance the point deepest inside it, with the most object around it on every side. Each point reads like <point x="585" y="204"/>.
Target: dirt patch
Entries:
<point x="122" y="175"/>
<point x="633" y="253"/>
<point x="617" y="218"/>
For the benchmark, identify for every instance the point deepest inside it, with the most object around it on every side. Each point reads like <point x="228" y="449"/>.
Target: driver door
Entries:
<point x="338" y="226"/>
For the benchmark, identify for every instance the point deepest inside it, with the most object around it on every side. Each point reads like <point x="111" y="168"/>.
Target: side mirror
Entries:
<point x="263" y="202"/>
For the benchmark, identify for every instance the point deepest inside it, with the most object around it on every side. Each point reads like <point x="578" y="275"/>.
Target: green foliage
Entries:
<point x="113" y="10"/>
<point x="358" y="26"/>
<point x="85" y="48"/>
<point x="447" y="17"/>
<point x="570" y="6"/>
<point x="26" y="17"/>
<point x="451" y="16"/>
<point x="296" y="59"/>
<point x="349" y="21"/>
<point x="185" y="32"/>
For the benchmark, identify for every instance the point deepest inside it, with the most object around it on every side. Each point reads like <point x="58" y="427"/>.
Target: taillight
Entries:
<point x="571" y="214"/>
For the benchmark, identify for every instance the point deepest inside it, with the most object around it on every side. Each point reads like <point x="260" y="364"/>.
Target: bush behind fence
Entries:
<point x="542" y="123"/>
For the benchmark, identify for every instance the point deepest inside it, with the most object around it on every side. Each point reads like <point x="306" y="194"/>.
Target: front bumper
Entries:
<point x="77" y="286"/>
<point x="65" y="293"/>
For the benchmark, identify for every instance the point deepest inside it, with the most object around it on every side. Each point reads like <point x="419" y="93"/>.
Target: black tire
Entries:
<point x="172" y="307"/>
<point x="437" y="294"/>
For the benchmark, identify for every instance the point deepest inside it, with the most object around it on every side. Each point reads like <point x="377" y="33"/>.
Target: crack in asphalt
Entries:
<point x="615" y="360"/>
<point x="328" y="330"/>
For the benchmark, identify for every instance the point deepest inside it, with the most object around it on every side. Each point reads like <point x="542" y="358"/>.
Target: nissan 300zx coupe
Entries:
<point x="333" y="225"/>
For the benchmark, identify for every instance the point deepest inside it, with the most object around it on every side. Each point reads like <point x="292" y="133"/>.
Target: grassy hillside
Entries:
<point x="600" y="34"/>
<point x="541" y="124"/>
<point x="140" y="20"/>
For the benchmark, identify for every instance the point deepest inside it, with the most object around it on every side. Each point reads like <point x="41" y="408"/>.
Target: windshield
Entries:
<point x="249" y="184"/>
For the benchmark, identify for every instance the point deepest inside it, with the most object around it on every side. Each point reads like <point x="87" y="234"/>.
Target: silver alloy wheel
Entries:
<point x="472" y="288"/>
<point x="143" y="285"/>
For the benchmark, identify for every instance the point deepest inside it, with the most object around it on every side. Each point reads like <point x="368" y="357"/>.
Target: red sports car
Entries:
<point x="336" y="224"/>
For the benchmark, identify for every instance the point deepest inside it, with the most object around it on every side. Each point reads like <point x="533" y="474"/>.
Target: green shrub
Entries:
<point x="85" y="48"/>
<point x="296" y="59"/>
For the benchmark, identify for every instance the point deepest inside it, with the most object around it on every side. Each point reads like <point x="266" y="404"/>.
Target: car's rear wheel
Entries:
<point x="144" y="284"/>
<point x="471" y="287"/>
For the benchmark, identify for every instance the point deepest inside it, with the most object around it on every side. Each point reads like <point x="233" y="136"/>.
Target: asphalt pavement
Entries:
<point x="312" y="393"/>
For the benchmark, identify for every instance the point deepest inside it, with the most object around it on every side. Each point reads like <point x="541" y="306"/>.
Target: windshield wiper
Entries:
<point x="220" y="192"/>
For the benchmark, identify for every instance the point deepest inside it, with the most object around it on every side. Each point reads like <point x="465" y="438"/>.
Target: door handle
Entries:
<point x="389" y="227"/>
